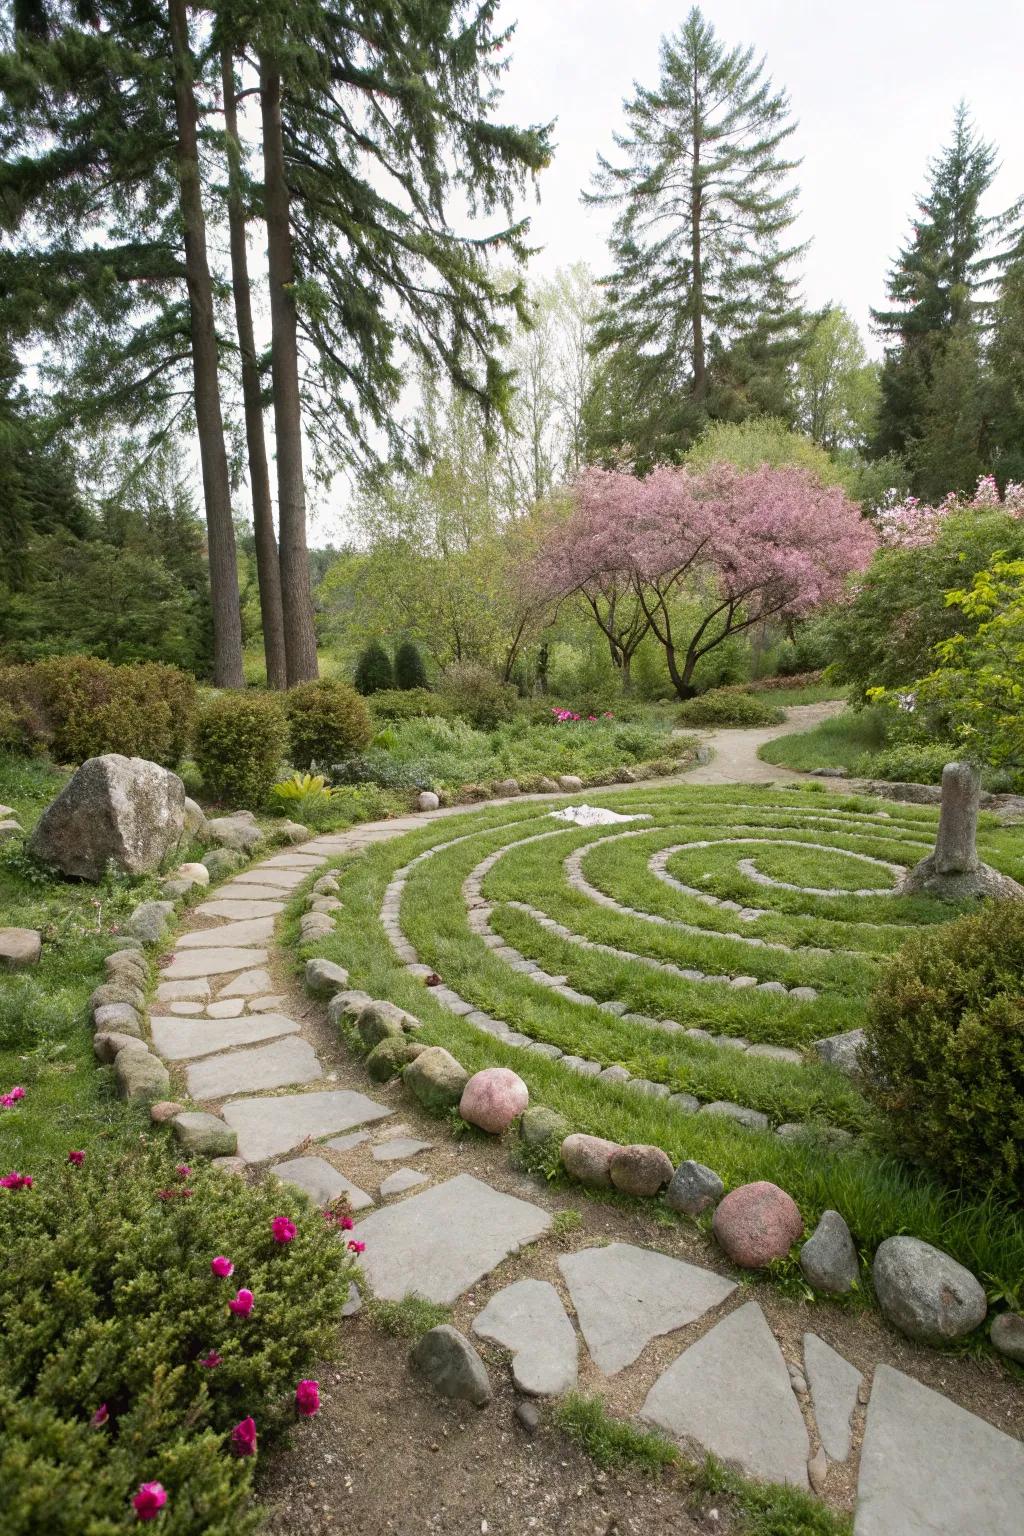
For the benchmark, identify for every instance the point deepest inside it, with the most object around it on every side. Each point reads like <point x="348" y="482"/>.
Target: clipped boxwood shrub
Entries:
<point x="945" y="1043"/>
<point x="327" y="723"/>
<point x="409" y="669"/>
<point x="122" y="1363"/>
<point x="373" y="670"/>
<point x="76" y="707"/>
<point x="723" y="706"/>
<point x="238" y="744"/>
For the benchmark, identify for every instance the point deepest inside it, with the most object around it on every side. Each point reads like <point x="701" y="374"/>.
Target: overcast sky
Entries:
<point x="872" y="83"/>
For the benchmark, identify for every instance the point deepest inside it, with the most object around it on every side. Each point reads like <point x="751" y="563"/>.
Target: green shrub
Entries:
<point x="909" y="762"/>
<point x="409" y="669"/>
<point x="407" y="704"/>
<point x="76" y="707"/>
<point x="305" y="796"/>
<point x="478" y="695"/>
<point x="945" y="1036"/>
<point x="373" y="670"/>
<point x="725" y="707"/>
<point x="108" y="1299"/>
<point x="327" y="723"/>
<point x="238" y="744"/>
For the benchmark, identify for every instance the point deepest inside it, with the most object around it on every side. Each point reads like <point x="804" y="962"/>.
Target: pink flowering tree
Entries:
<point x="750" y="545"/>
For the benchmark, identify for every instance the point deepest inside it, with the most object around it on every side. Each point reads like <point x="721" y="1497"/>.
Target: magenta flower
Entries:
<point x="243" y="1438"/>
<point x="211" y="1360"/>
<point x="16" y="1181"/>
<point x="307" y="1398"/>
<point x="77" y="1158"/>
<point x="149" y="1500"/>
<point x="283" y="1229"/>
<point x="11" y="1097"/>
<point x="100" y="1417"/>
<point x="355" y="1247"/>
<point x="346" y="1224"/>
<point x="222" y="1267"/>
<point x="241" y="1304"/>
<point x="174" y="1194"/>
<point x="183" y="1171"/>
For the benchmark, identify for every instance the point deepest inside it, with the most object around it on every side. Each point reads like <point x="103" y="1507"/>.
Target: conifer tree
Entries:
<point x="701" y="310"/>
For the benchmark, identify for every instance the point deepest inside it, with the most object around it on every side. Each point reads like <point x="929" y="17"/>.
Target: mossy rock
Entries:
<point x="390" y="1055"/>
<point x="540" y="1125"/>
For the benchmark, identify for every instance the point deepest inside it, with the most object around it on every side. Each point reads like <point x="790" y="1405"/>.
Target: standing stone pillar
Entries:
<point x="954" y="872"/>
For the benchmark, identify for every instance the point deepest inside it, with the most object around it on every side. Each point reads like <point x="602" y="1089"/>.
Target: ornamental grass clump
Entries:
<point x="153" y="1342"/>
<point x="945" y="1043"/>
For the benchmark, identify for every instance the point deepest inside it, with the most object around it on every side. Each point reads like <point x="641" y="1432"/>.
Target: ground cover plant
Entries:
<point x="722" y="706"/>
<point x="159" y="1324"/>
<point x="648" y="902"/>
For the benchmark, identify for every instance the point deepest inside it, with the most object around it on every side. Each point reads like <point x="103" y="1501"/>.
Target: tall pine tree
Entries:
<point x="940" y="306"/>
<point x="701" y="311"/>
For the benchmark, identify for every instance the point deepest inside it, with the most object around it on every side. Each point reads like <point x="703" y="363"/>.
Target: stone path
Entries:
<point x="732" y="754"/>
<point x="928" y="1467"/>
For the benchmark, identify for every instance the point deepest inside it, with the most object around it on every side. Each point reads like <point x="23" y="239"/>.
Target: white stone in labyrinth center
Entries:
<point x="594" y="816"/>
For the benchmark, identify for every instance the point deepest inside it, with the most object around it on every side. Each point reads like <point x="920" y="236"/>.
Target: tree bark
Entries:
<point x="296" y="598"/>
<point x="268" y="571"/>
<point x="696" y="213"/>
<point x="227" y="621"/>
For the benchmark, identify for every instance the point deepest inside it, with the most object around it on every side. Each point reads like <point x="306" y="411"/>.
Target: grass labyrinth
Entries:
<point x="758" y="918"/>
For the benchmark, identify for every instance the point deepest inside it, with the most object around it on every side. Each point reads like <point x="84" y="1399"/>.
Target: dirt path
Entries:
<point x="735" y="759"/>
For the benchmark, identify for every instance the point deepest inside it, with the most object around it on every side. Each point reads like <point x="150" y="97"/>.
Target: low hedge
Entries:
<point x="239" y="742"/>
<point x="723" y="706"/>
<point x="327" y="723"/>
<point x="945" y="1043"/>
<point x="76" y="707"/>
<point x="122" y="1363"/>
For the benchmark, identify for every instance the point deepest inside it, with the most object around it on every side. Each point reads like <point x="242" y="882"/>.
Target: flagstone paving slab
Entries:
<point x="731" y="1393"/>
<point x="256" y="930"/>
<point x="186" y="1008"/>
<point x="528" y="1318"/>
<point x="401" y="1180"/>
<point x="267" y="1127"/>
<point x="185" y="963"/>
<point x="930" y="1468"/>
<point x="625" y="1297"/>
<point x="283" y="879"/>
<point x="266" y="1004"/>
<point x="266" y="1066"/>
<point x="225" y="1008"/>
<point x="295" y="860"/>
<point x="834" y="1385"/>
<point x="185" y="1039"/>
<point x="346" y="1143"/>
<point x="397" y="1147"/>
<point x="438" y="1243"/>
<point x="321" y="1181"/>
<point x="173" y="991"/>
<point x="249" y="984"/>
<point x="251" y="891"/>
<point x="231" y="907"/>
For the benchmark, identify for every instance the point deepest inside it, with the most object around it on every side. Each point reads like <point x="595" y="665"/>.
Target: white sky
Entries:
<point x="873" y="85"/>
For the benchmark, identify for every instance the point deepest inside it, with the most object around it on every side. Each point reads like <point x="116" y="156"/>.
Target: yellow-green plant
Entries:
<point x="307" y="795"/>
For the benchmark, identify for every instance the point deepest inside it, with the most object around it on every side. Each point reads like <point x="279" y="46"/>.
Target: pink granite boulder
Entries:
<point x="640" y="1170"/>
<point x="493" y="1098"/>
<point x="588" y="1159"/>
<point x="756" y="1224"/>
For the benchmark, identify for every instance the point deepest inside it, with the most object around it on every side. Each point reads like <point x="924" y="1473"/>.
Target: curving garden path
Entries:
<point x="734" y="758"/>
<point x="738" y="1371"/>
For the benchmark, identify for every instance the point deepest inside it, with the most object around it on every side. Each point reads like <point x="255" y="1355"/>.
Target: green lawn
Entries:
<point x="835" y="944"/>
<point x="837" y="743"/>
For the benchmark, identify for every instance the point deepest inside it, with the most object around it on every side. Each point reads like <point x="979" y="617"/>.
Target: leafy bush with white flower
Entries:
<point x="159" y="1324"/>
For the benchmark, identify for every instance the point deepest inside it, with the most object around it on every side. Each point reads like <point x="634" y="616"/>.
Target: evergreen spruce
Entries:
<point x="701" y="313"/>
<point x="373" y="670"/>
<point x="409" y="669"/>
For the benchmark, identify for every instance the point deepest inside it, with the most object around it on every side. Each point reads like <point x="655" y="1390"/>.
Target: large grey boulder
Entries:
<point x="141" y="1075"/>
<point x="237" y="832"/>
<point x="925" y="1293"/>
<point x="115" y="810"/>
<point x="829" y="1257"/>
<point x="953" y="871"/>
<point x="152" y="920"/>
<point x="452" y="1366"/>
<point x="204" y="1134"/>
<point x="19" y="947"/>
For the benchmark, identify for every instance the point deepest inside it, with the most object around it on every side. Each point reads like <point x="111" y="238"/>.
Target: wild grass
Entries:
<point x="409" y="1318"/>
<point x="837" y="743"/>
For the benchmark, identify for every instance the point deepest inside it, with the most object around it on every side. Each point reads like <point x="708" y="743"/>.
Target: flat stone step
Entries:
<point x="187" y="1039"/>
<point x="185" y="963"/>
<point x="529" y="1318"/>
<point x="268" y="1127"/>
<point x="625" y="1296"/>
<point x="398" y="1148"/>
<point x="321" y="1181"/>
<point x="256" y="930"/>
<point x="930" y="1468"/>
<point x="294" y="860"/>
<point x="225" y="1008"/>
<point x="174" y="991"/>
<point x="281" y="879"/>
<point x="250" y="891"/>
<point x="232" y="908"/>
<point x="439" y="1243"/>
<point x="834" y="1385"/>
<point x="266" y="1066"/>
<point x="400" y="1181"/>
<point x="250" y="984"/>
<point x="731" y="1393"/>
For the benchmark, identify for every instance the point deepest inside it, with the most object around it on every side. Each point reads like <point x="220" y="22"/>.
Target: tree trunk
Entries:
<point x="696" y="211"/>
<point x="627" y="673"/>
<point x="268" y="571"/>
<point x="296" y="598"/>
<point x="227" y="621"/>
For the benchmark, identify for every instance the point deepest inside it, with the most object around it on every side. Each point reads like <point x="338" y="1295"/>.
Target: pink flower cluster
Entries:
<point x="909" y="523"/>
<point x="16" y="1181"/>
<point x="567" y="716"/>
<point x="11" y="1097"/>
